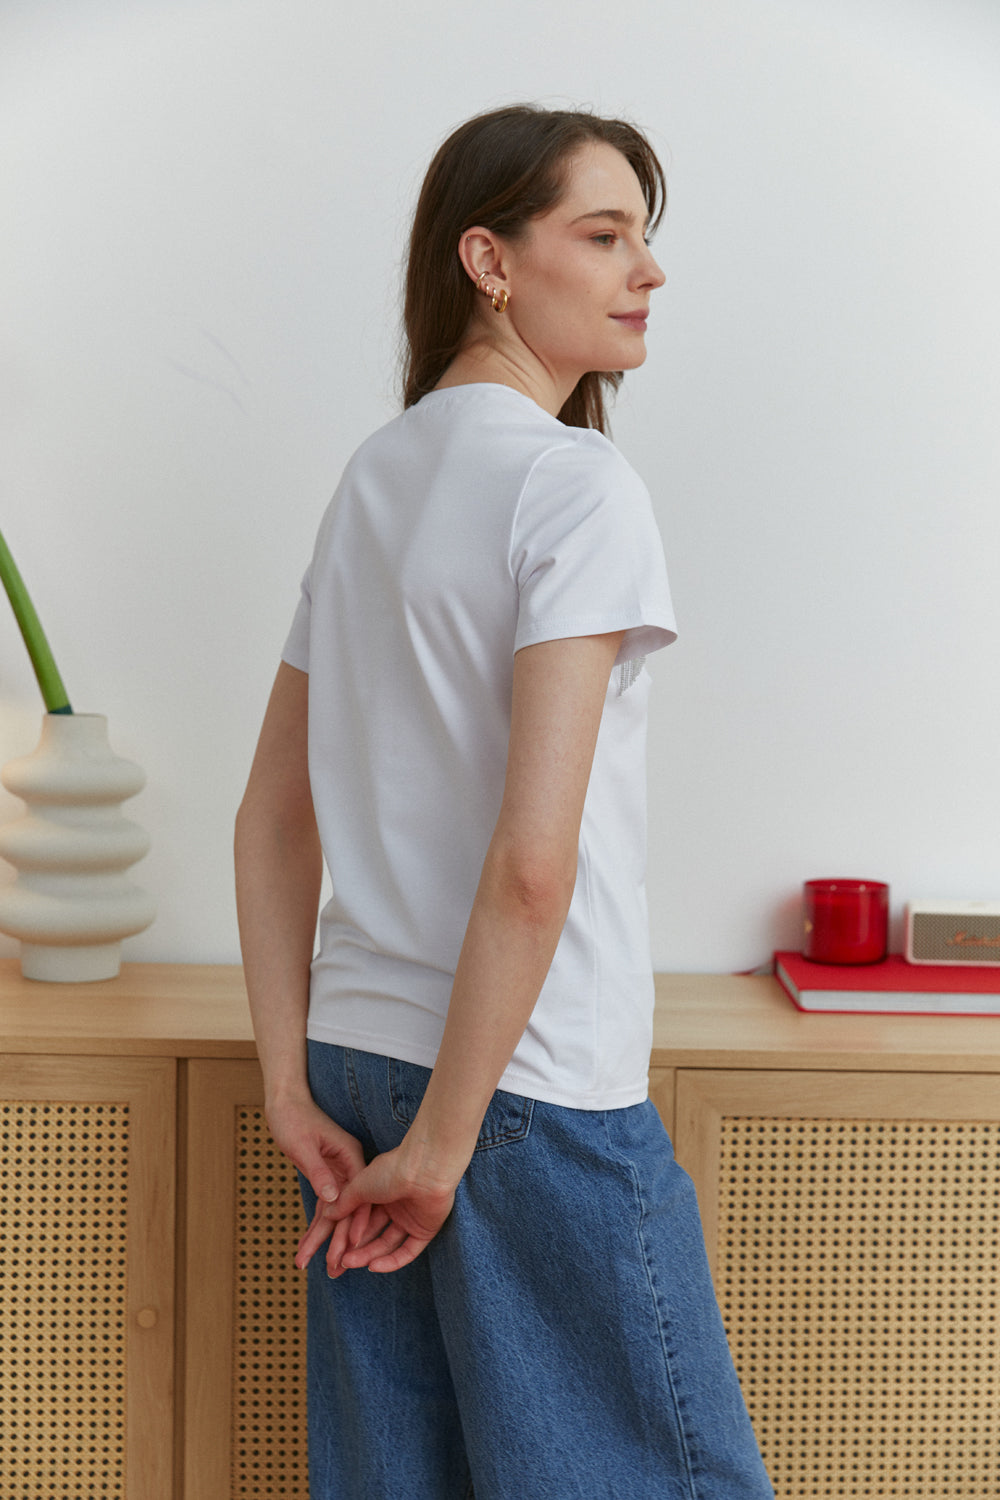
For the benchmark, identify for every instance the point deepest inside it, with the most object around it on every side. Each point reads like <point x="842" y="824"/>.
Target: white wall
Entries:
<point x="205" y="217"/>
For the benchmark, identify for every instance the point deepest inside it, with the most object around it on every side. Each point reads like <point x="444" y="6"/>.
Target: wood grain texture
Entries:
<point x="173" y="1010"/>
<point x="702" y="1020"/>
<point x="726" y="1020"/>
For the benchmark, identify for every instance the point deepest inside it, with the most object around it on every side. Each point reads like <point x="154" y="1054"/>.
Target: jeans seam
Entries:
<point x="400" y="1112"/>
<point x="660" y="1326"/>
<point x="355" y="1090"/>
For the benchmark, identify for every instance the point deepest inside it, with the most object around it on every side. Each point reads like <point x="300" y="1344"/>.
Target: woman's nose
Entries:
<point x="649" y="273"/>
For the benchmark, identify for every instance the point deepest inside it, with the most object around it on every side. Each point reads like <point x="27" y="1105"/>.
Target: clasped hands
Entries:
<point x="380" y="1216"/>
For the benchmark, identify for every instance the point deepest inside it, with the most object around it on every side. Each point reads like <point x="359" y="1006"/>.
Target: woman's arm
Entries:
<point x="279" y="868"/>
<point x="517" y="917"/>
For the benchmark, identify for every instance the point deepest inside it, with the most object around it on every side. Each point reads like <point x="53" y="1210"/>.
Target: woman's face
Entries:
<point x="581" y="276"/>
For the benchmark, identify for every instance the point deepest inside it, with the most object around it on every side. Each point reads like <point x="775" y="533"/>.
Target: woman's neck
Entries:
<point x="481" y="362"/>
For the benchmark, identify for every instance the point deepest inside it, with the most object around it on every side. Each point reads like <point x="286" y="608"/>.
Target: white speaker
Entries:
<point x="953" y="932"/>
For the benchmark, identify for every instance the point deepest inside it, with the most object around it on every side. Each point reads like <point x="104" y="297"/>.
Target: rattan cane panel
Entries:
<point x="857" y="1274"/>
<point x="269" y="1385"/>
<point x="63" y="1249"/>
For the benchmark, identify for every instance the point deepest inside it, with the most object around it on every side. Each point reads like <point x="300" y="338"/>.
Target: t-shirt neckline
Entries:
<point x="469" y="387"/>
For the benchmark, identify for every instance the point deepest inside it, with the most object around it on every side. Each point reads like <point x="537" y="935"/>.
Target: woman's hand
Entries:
<point x="387" y="1214"/>
<point x="326" y="1155"/>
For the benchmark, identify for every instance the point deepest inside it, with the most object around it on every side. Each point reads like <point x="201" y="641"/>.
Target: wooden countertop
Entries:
<point x="702" y="1020"/>
<point x="172" y="1010"/>
<point x="734" y="1021"/>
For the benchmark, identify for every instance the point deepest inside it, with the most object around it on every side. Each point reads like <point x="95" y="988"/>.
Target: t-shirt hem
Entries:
<point x="621" y="1096"/>
<point x="296" y="658"/>
<point x="644" y="634"/>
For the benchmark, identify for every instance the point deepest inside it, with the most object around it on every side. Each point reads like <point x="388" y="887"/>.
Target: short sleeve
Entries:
<point x="586" y="552"/>
<point x="296" y="647"/>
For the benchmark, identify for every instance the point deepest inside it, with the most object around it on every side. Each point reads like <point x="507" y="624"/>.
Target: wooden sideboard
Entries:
<point x="847" y="1169"/>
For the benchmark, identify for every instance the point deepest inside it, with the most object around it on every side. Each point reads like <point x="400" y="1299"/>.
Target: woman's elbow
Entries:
<point x="273" y="818"/>
<point x="534" y="887"/>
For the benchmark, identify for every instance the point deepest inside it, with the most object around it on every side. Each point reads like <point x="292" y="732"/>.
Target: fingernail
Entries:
<point x="329" y="1193"/>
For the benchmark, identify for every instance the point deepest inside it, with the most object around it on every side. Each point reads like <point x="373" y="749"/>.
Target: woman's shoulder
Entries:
<point x="584" y="458"/>
<point x="504" y="436"/>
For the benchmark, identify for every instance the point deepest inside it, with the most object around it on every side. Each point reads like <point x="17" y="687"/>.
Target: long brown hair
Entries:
<point x="501" y="170"/>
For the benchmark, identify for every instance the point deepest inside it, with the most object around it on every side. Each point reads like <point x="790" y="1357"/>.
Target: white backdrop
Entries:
<point x="206" y="208"/>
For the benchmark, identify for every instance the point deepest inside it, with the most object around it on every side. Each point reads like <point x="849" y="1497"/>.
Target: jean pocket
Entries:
<point x="507" y="1118"/>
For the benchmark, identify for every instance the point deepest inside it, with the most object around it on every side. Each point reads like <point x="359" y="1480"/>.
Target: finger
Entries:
<point x="353" y="1196"/>
<point x="326" y="1187"/>
<point x="391" y="1238"/>
<point x="367" y="1223"/>
<point x="334" y="1167"/>
<point x="338" y="1244"/>
<point x="344" y="1155"/>
<point x="320" y="1175"/>
<point x="329" y="1158"/>
<point x="407" y="1252"/>
<point x="316" y="1235"/>
<point x="364" y="1224"/>
<point x="369" y="1186"/>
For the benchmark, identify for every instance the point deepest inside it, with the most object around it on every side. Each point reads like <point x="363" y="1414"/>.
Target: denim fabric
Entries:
<point x="558" y="1340"/>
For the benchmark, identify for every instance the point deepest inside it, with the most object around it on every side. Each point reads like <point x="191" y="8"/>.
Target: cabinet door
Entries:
<point x="87" y="1277"/>
<point x="244" y="1321"/>
<point x="852" y="1227"/>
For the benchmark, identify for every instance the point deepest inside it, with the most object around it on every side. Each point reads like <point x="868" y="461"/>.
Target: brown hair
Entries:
<point x="501" y="170"/>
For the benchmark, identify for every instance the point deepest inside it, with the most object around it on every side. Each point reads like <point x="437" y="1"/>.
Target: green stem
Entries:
<point x="51" y="684"/>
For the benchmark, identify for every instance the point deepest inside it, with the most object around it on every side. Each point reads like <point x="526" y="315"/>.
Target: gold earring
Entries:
<point x="480" y="279"/>
<point x="499" y="301"/>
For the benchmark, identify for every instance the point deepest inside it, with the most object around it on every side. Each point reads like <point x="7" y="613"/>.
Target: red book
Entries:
<point x="892" y="987"/>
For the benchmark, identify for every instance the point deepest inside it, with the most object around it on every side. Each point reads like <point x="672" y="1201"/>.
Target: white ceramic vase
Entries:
<point x="71" y="903"/>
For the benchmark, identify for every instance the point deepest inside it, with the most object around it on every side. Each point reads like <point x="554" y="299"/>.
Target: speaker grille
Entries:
<point x="858" y="1275"/>
<point x="269" y="1381"/>
<point x="63" y="1252"/>
<point x="956" y="939"/>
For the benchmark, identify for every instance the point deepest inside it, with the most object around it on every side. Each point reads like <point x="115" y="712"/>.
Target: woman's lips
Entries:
<point x="636" y="321"/>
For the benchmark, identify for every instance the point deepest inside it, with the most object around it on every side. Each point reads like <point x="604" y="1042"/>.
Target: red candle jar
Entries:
<point x="846" y="921"/>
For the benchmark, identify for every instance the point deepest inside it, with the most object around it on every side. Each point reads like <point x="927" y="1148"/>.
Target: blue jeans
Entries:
<point x="558" y="1340"/>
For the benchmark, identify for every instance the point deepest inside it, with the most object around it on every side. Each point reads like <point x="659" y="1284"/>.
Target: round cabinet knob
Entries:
<point x="146" y="1317"/>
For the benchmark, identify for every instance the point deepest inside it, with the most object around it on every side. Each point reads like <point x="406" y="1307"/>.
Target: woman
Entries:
<point x="458" y="724"/>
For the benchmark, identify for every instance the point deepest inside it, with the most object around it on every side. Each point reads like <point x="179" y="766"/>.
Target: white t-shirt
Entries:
<point x="470" y="526"/>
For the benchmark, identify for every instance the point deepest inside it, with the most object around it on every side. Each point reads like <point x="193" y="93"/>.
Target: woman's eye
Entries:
<point x="604" y="239"/>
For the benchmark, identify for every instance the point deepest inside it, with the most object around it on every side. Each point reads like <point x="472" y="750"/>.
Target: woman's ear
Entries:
<point x="482" y="255"/>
